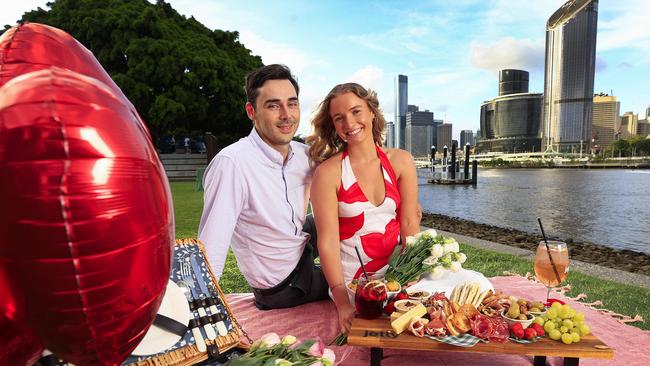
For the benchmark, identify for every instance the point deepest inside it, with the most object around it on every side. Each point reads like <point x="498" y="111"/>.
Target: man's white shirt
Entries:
<point x="256" y="203"/>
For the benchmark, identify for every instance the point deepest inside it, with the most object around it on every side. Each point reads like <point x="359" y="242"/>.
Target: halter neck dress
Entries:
<point x="374" y="230"/>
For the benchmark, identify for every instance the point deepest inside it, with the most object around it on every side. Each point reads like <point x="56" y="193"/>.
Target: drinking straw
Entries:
<point x="361" y="261"/>
<point x="548" y="250"/>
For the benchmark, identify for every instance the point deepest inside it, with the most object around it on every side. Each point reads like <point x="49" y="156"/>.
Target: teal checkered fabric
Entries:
<point x="463" y="340"/>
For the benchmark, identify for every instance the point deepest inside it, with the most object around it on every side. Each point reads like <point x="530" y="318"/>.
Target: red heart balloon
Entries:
<point x="87" y="228"/>
<point x="32" y="46"/>
<point x="20" y="346"/>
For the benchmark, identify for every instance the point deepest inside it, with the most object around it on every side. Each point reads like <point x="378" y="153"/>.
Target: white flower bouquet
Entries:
<point x="425" y="252"/>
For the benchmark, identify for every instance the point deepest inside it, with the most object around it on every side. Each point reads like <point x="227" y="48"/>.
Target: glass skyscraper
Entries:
<point x="569" y="76"/>
<point x="511" y="122"/>
<point x="401" y="106"/>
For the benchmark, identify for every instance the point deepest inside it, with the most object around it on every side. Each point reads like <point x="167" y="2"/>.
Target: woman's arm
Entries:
<point x="407" y="184"/>
<point x="325" y="209"/>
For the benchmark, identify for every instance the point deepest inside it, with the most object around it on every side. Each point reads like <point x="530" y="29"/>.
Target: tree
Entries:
<point x="178" y="73"/>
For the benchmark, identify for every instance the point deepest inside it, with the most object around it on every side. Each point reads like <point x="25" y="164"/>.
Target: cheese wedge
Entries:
<point x="404" y="320"/>
<point x="394" y="315"/>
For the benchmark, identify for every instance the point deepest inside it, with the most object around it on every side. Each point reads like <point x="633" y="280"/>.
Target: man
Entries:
<point x="256" y="195"/>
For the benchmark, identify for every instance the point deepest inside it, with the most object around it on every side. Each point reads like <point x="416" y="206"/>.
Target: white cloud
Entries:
<point x="276" y="52"/>
<point x="508" y="53"/>
<point x="12" y="11"/>
<point x="370" y="76"/>
<point x="628" y="28"/>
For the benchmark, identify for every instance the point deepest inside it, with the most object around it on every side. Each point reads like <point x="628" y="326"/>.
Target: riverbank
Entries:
<point x="625" y="260"/>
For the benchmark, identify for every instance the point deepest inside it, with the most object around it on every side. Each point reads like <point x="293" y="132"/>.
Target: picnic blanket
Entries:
<point x="630" y="344"/>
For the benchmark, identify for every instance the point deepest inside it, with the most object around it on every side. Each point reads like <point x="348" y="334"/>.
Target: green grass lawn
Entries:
<point x="621" y="298"/>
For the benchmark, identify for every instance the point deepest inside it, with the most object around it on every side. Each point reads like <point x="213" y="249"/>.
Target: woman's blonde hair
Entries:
<point x="324" y="141"/>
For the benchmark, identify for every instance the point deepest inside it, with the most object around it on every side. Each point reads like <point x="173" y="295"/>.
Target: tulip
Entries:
<point x="288" y="340"/>
<point x="462" y="258"/>
<point x="437" y="250"/>
<point x="270" y="339"/>
<point x="455" y="266"/>
<point x="451" y="247"/>
<point x="283" y="362"/>
<point x="437" y="272"/>
<point x="328" y="357"/>
<point x="411" y="240"/>
<point x="430" y="261"/>
<point x="317" y="349"/>
<point x="432" y="232"/>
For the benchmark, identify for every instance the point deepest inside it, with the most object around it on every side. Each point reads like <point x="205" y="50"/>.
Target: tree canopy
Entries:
<point x="635" y="146"/>
<point x="181" y="76"/>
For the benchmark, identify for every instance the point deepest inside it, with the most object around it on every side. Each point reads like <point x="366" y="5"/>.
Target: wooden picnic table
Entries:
<point x="378" y="334"/>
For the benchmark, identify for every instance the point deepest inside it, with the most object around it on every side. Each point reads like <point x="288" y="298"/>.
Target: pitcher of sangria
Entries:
<point x="370" y="297"/>
<point x="551" y="264"/>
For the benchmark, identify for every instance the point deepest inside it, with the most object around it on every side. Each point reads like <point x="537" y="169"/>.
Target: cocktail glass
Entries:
<point x="370" y="297"/>
<point x="552" y="264"/>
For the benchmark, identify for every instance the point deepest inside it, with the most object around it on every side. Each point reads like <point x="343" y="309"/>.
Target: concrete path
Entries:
<point x="594" y="270"/>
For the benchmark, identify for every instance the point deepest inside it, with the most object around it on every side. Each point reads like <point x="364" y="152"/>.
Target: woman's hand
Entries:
<point x="346" y="314"/>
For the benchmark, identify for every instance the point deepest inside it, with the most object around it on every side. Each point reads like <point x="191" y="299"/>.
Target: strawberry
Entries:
<point x="530" y="333"/>
<point x="402" y="295"/>
<point x="517" y="330"/>
<point x="551" y="301"/>
<point x="389" y="308"/>
<point x="538" y="329"/>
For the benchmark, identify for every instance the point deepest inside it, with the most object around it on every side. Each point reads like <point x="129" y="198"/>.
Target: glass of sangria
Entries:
<point x="370" y="297"/>
<point x="551" y="264"/>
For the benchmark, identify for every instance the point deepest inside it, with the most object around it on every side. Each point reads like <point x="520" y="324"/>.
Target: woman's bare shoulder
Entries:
<point x="398" y="156"/>
<point x="328" y="169"/>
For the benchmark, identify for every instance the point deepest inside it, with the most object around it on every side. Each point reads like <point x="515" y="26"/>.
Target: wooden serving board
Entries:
<point x="378" y="333"/>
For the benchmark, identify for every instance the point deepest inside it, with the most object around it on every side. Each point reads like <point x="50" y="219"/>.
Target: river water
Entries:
<point x="607" y="207"/>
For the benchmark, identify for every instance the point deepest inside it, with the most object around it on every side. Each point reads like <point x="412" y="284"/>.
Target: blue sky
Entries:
<point x="451" y="51"/>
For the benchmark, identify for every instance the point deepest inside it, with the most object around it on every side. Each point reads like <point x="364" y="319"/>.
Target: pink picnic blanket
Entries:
<point x="631" y="345"/>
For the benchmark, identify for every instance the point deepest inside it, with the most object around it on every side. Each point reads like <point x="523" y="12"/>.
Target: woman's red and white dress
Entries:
<point x="374" y="230"/>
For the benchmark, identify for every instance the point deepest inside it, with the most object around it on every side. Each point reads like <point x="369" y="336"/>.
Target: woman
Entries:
<point x="362" y="196"/>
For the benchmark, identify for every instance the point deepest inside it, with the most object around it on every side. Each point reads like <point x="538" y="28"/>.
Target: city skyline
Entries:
<point x="450" y="53"/>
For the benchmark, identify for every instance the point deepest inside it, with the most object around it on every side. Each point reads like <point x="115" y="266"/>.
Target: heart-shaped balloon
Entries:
<point x="87" y="228"/>
<point x="20" y="346"/>
<point x="32" y="46"/>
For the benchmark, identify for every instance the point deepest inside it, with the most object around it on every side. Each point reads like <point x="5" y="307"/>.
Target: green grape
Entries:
<point x="571" y="313"/>
<point x="567" y="323"/>
<point x="584" y="330"/>
<point x="563" y="313"/>
<point x="579" y="317"/>
<point x="567" y="338"/>
<point x="555" y="305"/>
<point x="539" y="320"/>
<point x="564" y="329"/>
<point x="575" y="337"/>
<point x="549" y="326"/>
<point x="555" y="334"/>
<point x="552" y="312"/>
<point x="577" y="323"/>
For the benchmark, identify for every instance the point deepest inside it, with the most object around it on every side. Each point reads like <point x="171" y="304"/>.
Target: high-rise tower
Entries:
<point x="401" y="105"/>
<point x="606" y="120"/>
<point x="569" y="76"/>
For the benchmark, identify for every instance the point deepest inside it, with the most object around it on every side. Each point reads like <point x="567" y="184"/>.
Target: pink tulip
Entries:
<point x="270" y="339"/>
<point x="329" y="354"/>
<point x="317" y="349"/>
